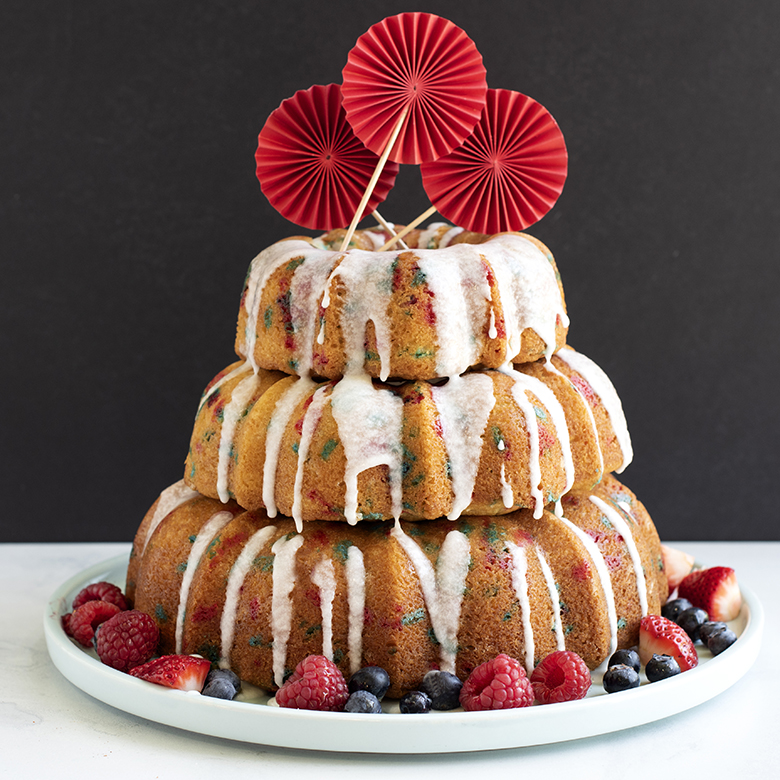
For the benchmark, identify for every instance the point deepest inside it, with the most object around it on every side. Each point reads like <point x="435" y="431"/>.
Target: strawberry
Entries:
<point x="714" y="590"/>
<point x="183" y="672"/>
<point x="677" y="565"/>
<point x="661" y="636"/>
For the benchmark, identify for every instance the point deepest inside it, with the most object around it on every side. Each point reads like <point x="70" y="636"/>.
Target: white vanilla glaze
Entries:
<point x="355" y="570"/>
<point x="368" y="278"/>
<point x="243" y="368"/>
<point x="324" y="577"/>
<point x="283" y="582"/>
<point x="524" y="384"/>
<point x="171" y="498"/>
<point x="369" y="420"/>
<point x="507" y="494"/>
<point x="524" y="277"/>
<point x="235" y="583"/>
<point x="311" y="420"/>
<point x="443" y="588"/>
<point x="449" y="236"/>
<point x="622" y="527"/>
<point x="464" y="405"/>
<point x="234" y="410"/>
<point x="606" y="392"/>
<point x="520" y="587"/>
<point x="603" y="575"/>
<point x="458" y="280"/>
<point x="555" y="600"/>
<point x="550" y="368"/>
<point x="277" y="425"/>
<point x="204" y="538"/>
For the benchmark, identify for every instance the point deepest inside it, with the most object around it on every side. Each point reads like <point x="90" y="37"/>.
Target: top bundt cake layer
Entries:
<point x="251" y="593"/>
<point x="461" y="300"/>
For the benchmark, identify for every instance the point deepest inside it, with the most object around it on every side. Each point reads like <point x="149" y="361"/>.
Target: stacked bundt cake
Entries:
<point x="423" y="401"/>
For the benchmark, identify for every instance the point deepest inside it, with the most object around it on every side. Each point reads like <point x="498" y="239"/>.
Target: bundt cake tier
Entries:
<point x="486" y="442"/>
<point x="254" y="595"/>
<point x="406" y="314"/>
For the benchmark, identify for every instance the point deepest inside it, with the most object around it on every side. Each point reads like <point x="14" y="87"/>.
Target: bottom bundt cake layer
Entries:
<point x="254" y="595"/>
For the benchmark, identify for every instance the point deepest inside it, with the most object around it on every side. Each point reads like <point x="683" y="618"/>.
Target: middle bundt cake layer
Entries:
<point x="486" y="442"/>
<point x="252" y="594"/>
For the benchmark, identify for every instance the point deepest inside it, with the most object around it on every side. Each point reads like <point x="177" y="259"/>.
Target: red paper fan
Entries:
<point x="508" y="173"/>
<point x="312" y="167"/>
<point x="421" y="62"/>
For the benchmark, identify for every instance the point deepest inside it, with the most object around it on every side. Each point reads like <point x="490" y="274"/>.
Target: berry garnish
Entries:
<point x="627" y="657"/>
<point x="691" y="620"/>
<point x="101" y="591"/>
<point x="499" y="684"/>
<point x="677" y="565"/>
<point x="659" y="667"/>
<point x="373" y="679"/>
<point x="183" y="672"/>
<point x="672" y="609"/>
<point x="316" y="684"/>
<point x="715" y="590"/>
<point x="620" y="678"/>
<point x="442" y="688"/>
<point x="65" y="621"/>
<point x="363" y="701"/>
<point x="659" y="635"/>
<point x="127" y="639"/>
<point x="718" y="641"/>
<point x="561" y="676"/>
<point x="85" y="619"/>
<point x="222" y="684"/>
<point x="415" y="702"/>
<point x="709" y="628"/>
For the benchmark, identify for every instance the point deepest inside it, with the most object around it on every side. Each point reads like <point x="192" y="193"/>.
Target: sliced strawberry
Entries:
<point x="659" y="635"/>
<point x="183" y="672"/>
<point x="677" y="565"/>
<point x="715" y="590"/>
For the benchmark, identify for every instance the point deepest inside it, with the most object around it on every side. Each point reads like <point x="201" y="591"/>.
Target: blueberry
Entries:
<point x="659" y="667"/>
<point x="673" y="608"/>
<point x="443" y="689"/>
<point x="620" y="678"/>
<point x="627" y="657"/>
<point x="373" y="679"/>
<point x="720" y="640"/>
<point x="220" y="688"/>
<point x="691" y="620"/>
<point x="709" y="628"/>
<point x="415" y="702"/>
<point x="363" y="701"/>
<point x="226" y="674"/>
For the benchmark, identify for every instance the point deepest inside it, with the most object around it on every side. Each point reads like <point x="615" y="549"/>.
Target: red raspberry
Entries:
<point x="561" y="676"/>
<point x="316" y="684"/>
<point x="127" y="640"/>
<point x="500" y="684"/>
<point x="87" y="618"/>
<point x="65" y="620"/>
<point x="101" y="591"/>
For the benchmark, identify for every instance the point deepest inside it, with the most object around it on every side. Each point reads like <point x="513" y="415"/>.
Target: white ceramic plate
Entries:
<point x="254" y="720"/>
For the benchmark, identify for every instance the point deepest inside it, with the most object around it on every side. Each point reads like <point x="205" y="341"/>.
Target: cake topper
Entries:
<point x="507" y="174"/>
<point x="414" y="92"/>
<point x="312" y="167"/>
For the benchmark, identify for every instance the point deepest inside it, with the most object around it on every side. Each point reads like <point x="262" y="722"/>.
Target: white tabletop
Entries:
<point x="48" y="727"/>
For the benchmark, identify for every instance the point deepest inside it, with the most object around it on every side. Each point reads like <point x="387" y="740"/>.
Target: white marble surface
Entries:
<point x="50" y="728"/>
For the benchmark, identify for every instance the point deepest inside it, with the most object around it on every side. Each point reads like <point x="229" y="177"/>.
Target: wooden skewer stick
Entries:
<point x="388" y="227"/>
<point x="411" y="226"/>
<point x="374" y="179"/>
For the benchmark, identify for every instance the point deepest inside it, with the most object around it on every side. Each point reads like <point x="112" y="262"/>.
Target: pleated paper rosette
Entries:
<point x="507" y="174"/>
<point x="421" y="64"/>
<point x="312" y="167"/>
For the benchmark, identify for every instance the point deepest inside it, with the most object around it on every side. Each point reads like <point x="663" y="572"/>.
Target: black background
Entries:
<point x="129" y="212"/>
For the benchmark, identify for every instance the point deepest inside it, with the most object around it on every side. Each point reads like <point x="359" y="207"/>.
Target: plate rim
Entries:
<point x="393" y="733"/>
